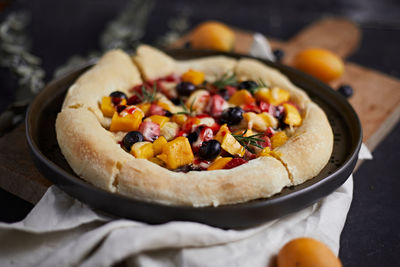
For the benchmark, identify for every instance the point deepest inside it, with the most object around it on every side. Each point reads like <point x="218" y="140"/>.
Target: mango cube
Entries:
<point x="223" y="130"/>
<point x="107" y="106"/>
<point x="142" y="150"/>
<point x="267" y="152"/>
<point x="292" y="115"/>
<point x="179" y="119"/>
<point x="219" y="163"/>
<point x="157" y="161"/>
<point x="127" y="123"/>
<point x="145" y="107"/>
<point x="278" y="139"/>
<point x="232" y="146"/>
<point x="177" y="153"/>
<point x="159" y="144"/>
<point x="274" y="96"/>
<point x="193" y="76"/>
<point x="241" y="97"/>
<point x="160" y="120"/>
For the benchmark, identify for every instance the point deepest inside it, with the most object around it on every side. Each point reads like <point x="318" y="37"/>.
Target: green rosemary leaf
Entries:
<point x="226" y="80"/>
<point x="147" y="96"/>
<point x="247" y="141"/>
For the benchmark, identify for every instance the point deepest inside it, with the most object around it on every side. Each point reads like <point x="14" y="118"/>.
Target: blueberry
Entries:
<point x="209" y="150"/>
<point x="185" y="88"/>
<point x="248" y="85"/>
<point x="345" y="90"/>
<point x="132" y="138"/>
<point x="120" y="108"/>
<point x="176" y="101"/>
<point x="167" y="113"/>
<point x="232" y="116"/>
<point x="117" y="96"/>
<point x="192" y="137"/>
<point x="224" y="93"/>
<point x="279" y="54"/>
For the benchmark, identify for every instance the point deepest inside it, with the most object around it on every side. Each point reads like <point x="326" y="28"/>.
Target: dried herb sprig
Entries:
<point x="146" y="96"/>
<point x="186" y="111"/>
<point x="225" y="80"/>
<point x="247" y="141"/>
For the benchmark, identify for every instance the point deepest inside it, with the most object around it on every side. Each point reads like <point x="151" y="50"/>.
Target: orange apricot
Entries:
<point x="213" y="35"/>
<point x="320" y="63"/>
<point x="306" y="252"/>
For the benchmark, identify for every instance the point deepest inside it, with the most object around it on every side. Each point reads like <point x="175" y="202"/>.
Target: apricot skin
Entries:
<point x="306" y="252"/>
<point x="320" y="63"/>
<point x="213" y="35"/>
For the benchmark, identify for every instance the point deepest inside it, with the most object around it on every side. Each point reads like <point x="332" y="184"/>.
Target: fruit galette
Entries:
<point x="206" y="131"/>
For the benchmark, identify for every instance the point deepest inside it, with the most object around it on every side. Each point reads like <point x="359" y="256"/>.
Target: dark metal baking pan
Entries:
<point x="41" y="136"/>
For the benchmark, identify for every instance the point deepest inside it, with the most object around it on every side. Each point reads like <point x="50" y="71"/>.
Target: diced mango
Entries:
<point x="267" y="152"/>
<point x="219" y="163"/>
<point x="179" y="119"/>
<point x="274" y="96"/>
<point x="127" y="123"/>
<point x="193" y="76"/>
<point x="107" y="106"/>
<point x="232" y="146"/>
<point x="278" y="139"/>
<point x="164" y="105"/>
<point x="157" y="161"/>
<point x="292" y="115"/>
<point x="262" y="94"/>
<point x="160" y="120"/>
<point x="223" y="130"/>
<point x="142" y="150"/>
<point x="259" y="122"/>
<point x="177" y="153"/>
<point x="241" y="97"/>
<point x="145" y="107"/>
<point x="159" y="144"/>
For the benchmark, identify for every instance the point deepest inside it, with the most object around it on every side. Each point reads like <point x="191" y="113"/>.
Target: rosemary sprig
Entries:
<point x="187" y="111"/>
<point x="260" y="84"/>
<point x="247" y="141"/>
<point x="225" y="80"/>
<point x="147" y="96"/>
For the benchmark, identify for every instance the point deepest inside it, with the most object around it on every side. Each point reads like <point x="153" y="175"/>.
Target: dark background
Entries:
<point x="371" y="236"/>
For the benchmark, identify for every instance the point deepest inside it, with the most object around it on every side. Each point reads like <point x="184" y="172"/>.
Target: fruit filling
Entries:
<point x="185" y="123"/>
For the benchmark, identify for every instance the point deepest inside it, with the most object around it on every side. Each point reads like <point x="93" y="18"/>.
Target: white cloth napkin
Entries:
<point x="61" y="231"/>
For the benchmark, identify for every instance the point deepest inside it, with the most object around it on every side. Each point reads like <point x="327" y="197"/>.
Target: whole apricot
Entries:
<point x="320" y="63"/>
<point x="213" y="35"/>
<point x="306" y="252"/>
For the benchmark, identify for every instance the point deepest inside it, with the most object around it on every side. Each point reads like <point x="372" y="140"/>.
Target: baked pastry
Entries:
<point x="201" y="132"/>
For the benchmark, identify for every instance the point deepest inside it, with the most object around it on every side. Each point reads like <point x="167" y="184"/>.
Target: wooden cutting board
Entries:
<point x="376" y="100"/>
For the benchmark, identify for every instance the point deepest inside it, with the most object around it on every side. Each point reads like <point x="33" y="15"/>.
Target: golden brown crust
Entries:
<point x="113" y="72"/>
<point x="90" y="150"/>
<point x="95" y="155"/>
<point x="260" y="178"/>
<point x="153" y="63"/>
<point x="309" y="149"/>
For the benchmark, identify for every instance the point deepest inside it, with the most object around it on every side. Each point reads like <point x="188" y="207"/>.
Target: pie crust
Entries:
<point x="95" y="155"/>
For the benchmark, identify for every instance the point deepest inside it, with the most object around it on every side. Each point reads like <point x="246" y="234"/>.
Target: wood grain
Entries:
<point x="18" y="174"/>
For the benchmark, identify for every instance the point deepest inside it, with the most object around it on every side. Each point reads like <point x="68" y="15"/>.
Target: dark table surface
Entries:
<point x="60" y="29"/>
